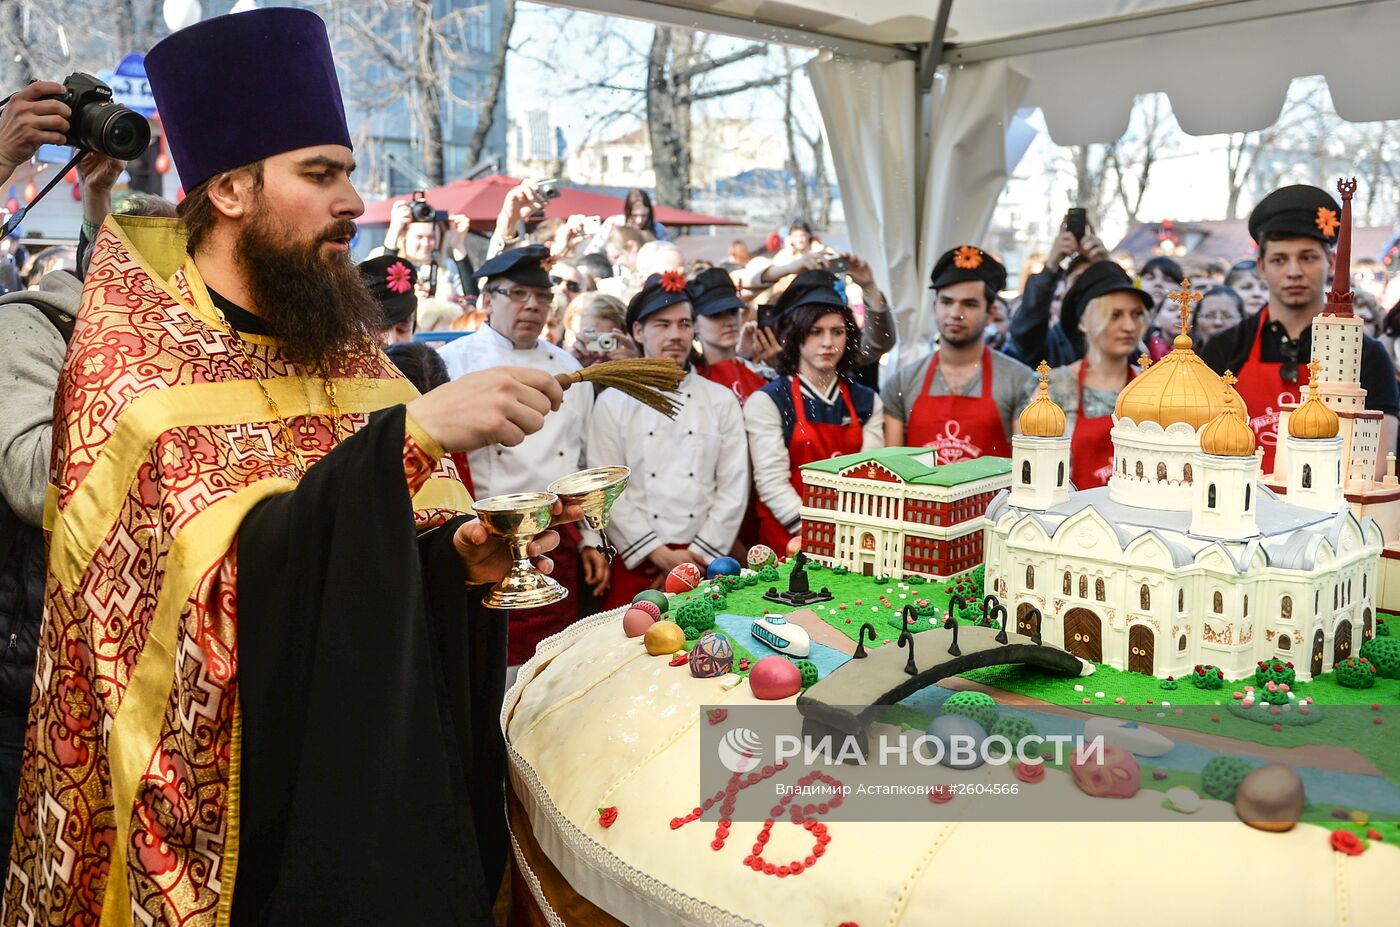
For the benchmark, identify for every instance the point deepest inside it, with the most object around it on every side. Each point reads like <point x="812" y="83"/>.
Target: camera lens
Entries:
<point x="113" y="130"/>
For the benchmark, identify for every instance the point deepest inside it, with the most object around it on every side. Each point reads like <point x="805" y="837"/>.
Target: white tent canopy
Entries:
<point x="921" y="160"/>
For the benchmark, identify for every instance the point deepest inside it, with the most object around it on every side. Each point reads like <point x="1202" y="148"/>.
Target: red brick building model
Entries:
<point x="895" y="512"/>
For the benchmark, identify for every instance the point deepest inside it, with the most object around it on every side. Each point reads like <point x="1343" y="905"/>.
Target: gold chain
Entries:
<point x="286" y="428"/>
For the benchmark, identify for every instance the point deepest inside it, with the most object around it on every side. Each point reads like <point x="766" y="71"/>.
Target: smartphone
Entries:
<point x="1076" y="222"/>
<point x="838" y="265"/>
<point x="768" y="317"/>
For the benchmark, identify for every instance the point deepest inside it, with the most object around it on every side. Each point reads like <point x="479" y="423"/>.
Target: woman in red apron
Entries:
<point x="820" y="342"/>
<point x="1264" y="390"/>
<point x="1112" y="314"/>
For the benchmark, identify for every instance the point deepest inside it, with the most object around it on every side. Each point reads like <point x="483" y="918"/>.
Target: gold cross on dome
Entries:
<point x="1145" y="360"/>
<point x="1186" y="300"/>
<point x="1229" y="378"/>
<point x="1315" y="368"/>
<point x="1044" y="370"/>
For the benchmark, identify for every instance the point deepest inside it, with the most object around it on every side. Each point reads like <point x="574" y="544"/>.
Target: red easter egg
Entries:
<point x="683" y="578"/>
<point x="773" y="678"/>
<point x="650" y="608"/>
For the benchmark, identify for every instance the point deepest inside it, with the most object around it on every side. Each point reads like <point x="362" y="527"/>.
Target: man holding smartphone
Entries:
<point x="1036" y="333"/>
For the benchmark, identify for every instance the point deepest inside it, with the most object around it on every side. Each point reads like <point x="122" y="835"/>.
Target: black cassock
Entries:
<point x="370" y="686"/>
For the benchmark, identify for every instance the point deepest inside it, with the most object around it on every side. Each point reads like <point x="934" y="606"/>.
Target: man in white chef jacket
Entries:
<point x="516" y="295"/>
<point x="690" y="475"/>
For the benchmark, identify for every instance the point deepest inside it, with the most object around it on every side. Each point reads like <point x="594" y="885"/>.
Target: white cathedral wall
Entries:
<point x="1153" y="467"/>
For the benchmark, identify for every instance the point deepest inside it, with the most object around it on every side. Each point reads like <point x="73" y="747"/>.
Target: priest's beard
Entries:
<point x="315" y="304"/>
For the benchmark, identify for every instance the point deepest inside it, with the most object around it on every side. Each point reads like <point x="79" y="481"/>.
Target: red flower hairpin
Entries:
<point x="673" y="281"/>
<point x="1326" y="221"/>
<point x="398" y="277"/>
<point x="967" y="258"/>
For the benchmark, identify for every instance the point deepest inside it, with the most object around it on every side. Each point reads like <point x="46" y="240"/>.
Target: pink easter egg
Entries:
<point x="773" y="678"/>
<point x="636" y="621"/>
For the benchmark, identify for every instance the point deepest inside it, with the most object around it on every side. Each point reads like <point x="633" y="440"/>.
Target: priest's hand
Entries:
<point x="497" y="406"/>
<point x="597" y="570"/>
<point x="486" y="558"/>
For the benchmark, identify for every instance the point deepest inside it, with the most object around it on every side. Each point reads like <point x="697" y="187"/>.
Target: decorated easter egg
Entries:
<point x="636" y="621"/>
<point x="683" y="578"/>
<point x="648" y="607"/>
<point x="961" y="740"/>
<point x="723" y="566"/>
<point x="712" y="655"/>
<point x="664" y="638"/>
<point x="1117" y="776"/>
<point x="655" y="597"/>
<point x="773" y="678"/>
<point x="760" y="556"/>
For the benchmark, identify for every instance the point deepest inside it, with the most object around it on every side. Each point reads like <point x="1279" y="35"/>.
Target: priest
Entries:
<point x="266" y="690"/>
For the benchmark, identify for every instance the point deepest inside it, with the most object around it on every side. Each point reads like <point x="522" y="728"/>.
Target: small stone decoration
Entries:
<point x="1270" y="798"/>
<point x="712" y="655"/>
<point x="1118" y="776"/>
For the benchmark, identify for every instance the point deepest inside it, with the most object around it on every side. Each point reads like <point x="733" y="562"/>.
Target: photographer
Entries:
<point x="1036" y="334"/>
<point x="437" y="247"/>
<point x="28" y="121"/>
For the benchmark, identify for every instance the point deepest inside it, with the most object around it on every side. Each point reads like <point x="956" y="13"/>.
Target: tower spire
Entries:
<point x="1339" y="298"/>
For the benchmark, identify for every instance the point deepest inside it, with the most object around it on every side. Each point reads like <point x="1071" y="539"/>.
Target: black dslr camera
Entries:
<point x="97" y="124"/>
<point x="422" y="211"/>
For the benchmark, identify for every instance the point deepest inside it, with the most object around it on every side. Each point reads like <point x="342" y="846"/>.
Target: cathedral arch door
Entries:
<point x="1084" y="635"/>
<point x="1317" y="654"/>
<point x="1140" y="647"/>
<point x="1341" y="642"/>
<point x="1027" y="623"/>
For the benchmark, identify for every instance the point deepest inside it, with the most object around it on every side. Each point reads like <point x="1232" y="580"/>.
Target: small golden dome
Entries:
<point x="1043" y="418"/>
<point x="1179" y="387"/>
<point x="1227" y="435"/>
<point x="1313" y="419"/>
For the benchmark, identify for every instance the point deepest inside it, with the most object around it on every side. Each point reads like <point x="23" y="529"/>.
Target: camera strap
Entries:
<point x="9" y="227"/>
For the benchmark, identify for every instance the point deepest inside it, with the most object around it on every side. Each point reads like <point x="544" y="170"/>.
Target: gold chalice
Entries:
<point x="594" y="491"/>
<point x="517" y="518"/>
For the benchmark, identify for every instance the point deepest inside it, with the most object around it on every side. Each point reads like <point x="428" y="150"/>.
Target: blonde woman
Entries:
<point x="1112" y="314"/>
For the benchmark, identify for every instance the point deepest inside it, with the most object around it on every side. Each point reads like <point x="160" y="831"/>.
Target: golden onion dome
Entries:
<point x="1228" y="435"/>
<point x="1179" y="387"/>
<point x="1314" y="419"/>
<point x="1043" y="418"/>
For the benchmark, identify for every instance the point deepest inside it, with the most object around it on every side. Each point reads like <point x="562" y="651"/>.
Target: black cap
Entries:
<point x="1098" y="279"/>
<point x="968" y="262"/>
<point x="712" y="292"/>
<point x="527" y="266"/>
<point x="811" y="287"/>
<point x="391" y="279"/>
<point x="659" y="292"/>
<point x="1297" y="211"/>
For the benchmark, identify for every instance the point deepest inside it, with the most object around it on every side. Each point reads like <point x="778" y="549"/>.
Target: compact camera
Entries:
<point x="599" y="342"/>
<point x="97" y="124"/>
<point x="422" y="211"/>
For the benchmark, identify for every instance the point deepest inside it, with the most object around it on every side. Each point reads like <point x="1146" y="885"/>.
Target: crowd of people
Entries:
<point x="202" y="442"/>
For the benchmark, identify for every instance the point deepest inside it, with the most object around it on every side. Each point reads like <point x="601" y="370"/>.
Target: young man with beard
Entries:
<point x="690" y="474"/>
<point x="516" y="294"/>
<point x="1295" y="228"/>
<point x="264" y="670"/>
<point x="961" y="399"/>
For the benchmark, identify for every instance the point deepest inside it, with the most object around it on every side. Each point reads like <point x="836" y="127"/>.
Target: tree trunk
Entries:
<point x="427" y="82"/>
<point x="487" y="116"/>
<point x="667" y="123"/>
<point x="18" y="68"/>
<point x="823" y="184"/>
<point x="799" y="182"/>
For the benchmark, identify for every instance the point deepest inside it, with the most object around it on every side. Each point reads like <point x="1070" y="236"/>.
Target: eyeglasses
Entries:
<point x="520" y="296"/>
<point x="1288" y="370"/>
<point x="571" y="285"/>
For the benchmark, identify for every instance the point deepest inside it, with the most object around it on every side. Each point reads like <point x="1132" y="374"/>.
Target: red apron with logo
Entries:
<point x="1264" y="391"/>
<point x="1090" y="449"/>
<point x="734" y="375"/>
<point x="959" y="427"/>
<point x="810" y="443"/>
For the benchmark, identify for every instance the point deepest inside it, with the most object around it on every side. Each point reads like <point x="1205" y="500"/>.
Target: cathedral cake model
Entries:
<point x="1224" y="631"/>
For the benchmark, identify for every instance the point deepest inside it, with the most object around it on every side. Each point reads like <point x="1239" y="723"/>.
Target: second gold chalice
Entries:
<point x="594" y="490"/>
<point x="517" y="518"/>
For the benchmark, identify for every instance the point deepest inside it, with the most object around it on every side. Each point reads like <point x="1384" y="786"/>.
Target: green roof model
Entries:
<point x="905" y="463"/>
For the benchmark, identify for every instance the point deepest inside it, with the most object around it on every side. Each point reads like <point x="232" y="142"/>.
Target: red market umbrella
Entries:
<point x="480" y="201"/>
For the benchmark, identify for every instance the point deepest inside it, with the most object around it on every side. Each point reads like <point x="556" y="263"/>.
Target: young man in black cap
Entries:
<point x="391" y="281"/>
<point x="1295" y="228"/>
<point x="961" y="399"/>
<point x="690" y="475"/>
<point x="718" y="324"/>
<point x="265" y="667"/>
<point x="516" y="294"/>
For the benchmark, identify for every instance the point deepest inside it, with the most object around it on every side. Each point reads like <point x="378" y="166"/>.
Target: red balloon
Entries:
<point x="30" y="191"/>
<point x="77" y="191"/>
<point x="71" y="176"/>
<point x="162" y="163"/>
<point x="12" y="205"/>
